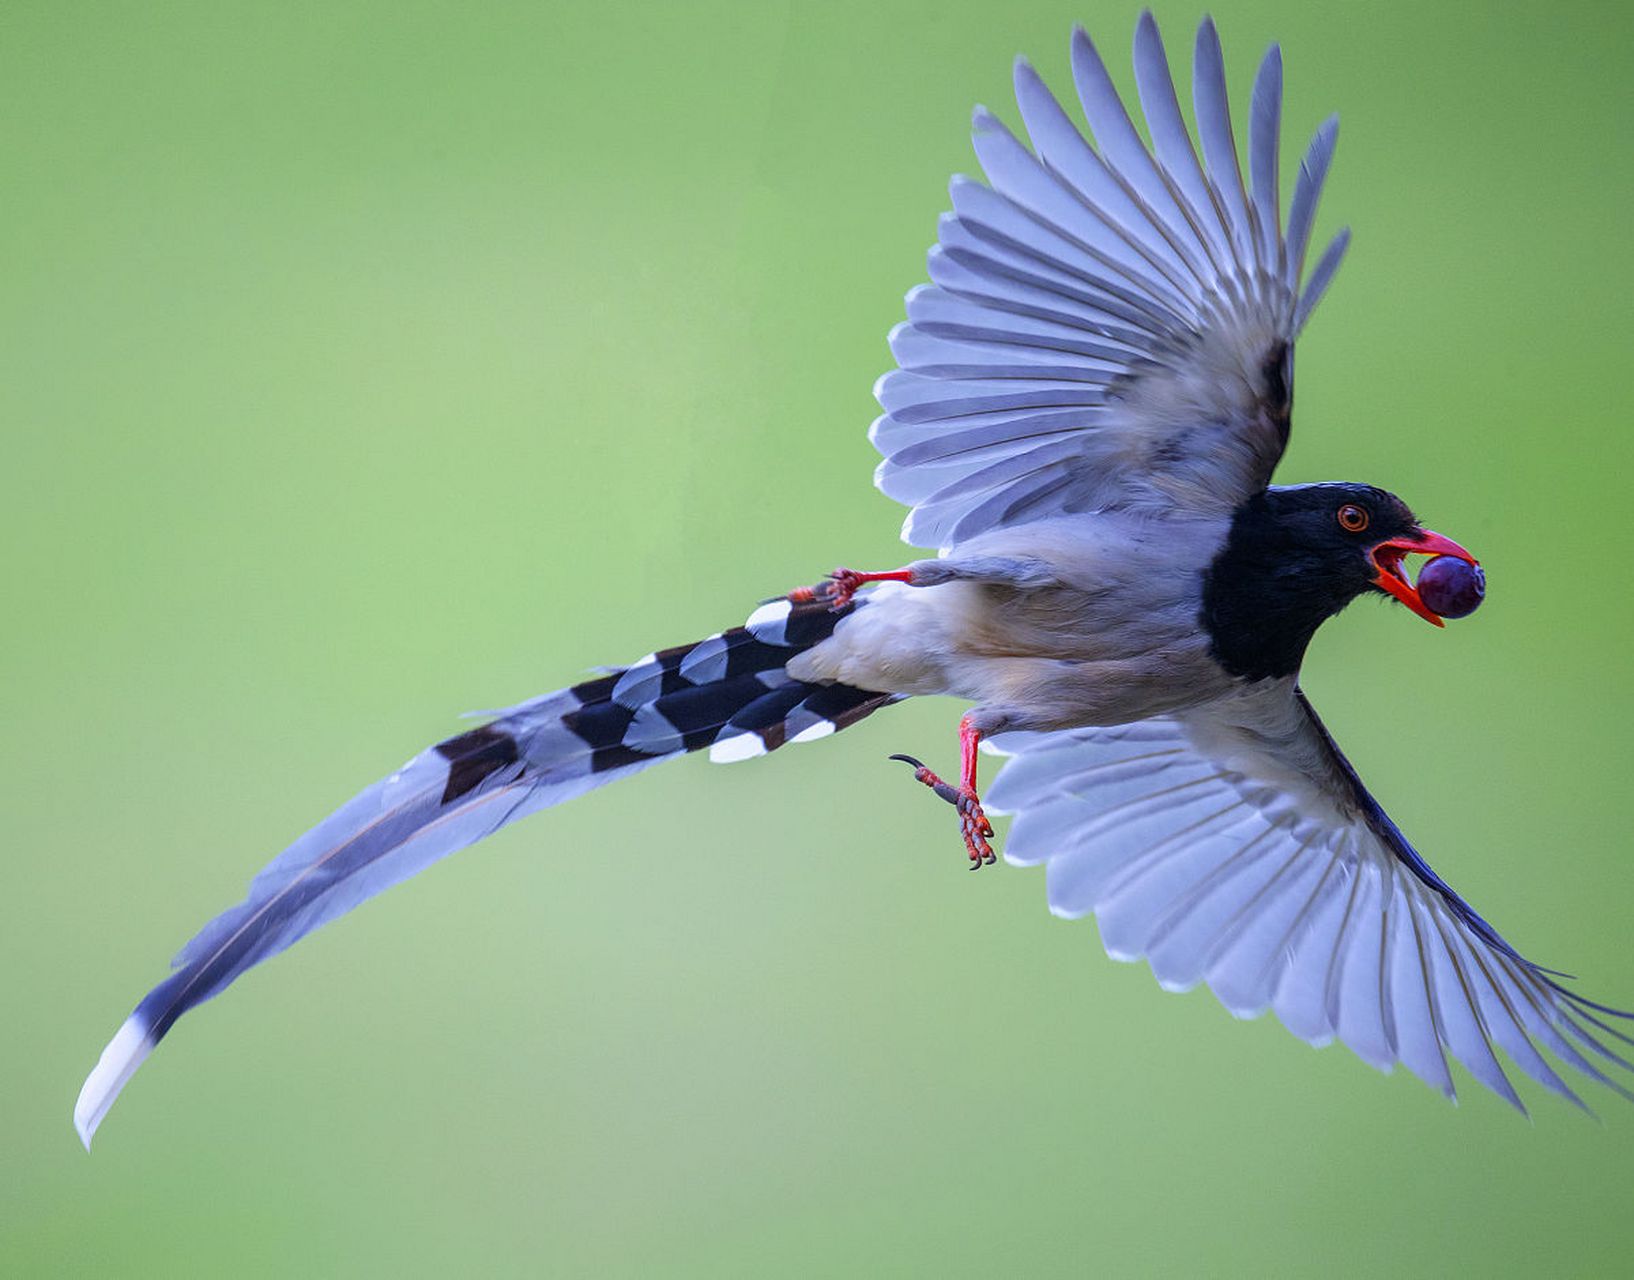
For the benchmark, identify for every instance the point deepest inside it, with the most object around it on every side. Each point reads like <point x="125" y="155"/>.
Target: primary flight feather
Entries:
<point x="1092" y="395"/>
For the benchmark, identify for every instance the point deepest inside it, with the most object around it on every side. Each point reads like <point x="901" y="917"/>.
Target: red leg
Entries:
<point x="969" y="739"/>
<point x="973" y="823"/>
<point x="842" y="584"/>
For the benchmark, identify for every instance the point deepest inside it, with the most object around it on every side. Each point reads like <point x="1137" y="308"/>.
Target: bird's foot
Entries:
<point x="973" y="823"/>
<point x="837" y="590"/>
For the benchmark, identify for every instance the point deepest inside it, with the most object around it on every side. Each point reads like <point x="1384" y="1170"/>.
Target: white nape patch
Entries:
<point x="814" y="731"/>
<point x="651" y="733"/>
<point x="769" y="623"/>
<point x="640" y="684"/>
<point x="744" y="746"/>
<point x="127" y="1050"/>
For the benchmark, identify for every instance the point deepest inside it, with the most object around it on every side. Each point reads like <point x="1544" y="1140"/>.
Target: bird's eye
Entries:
<point x="1353" y="519"/>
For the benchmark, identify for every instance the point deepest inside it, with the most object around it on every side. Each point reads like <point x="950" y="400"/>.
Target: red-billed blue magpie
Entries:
<point x="1092" y="394"/>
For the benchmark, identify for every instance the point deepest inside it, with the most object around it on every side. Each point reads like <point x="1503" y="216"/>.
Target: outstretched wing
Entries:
<point x="1111" y="325"/>
<point x="1237" y="847"/>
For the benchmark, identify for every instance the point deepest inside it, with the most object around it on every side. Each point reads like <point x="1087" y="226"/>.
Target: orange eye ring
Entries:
<point x="1353" y="519"/>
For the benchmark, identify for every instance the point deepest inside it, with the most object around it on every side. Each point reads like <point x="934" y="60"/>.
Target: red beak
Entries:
<point x="1387" y="558"/>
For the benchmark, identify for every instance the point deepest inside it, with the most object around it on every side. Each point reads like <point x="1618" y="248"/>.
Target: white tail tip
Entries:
<point x="125" y="1052"/>
<point x="742" y="746"/>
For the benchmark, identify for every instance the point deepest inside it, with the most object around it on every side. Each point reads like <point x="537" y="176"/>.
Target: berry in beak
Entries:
<point x="1390" y="578"/>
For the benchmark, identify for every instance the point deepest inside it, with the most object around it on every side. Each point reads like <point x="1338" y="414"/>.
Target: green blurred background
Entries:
<point x="363" y="364"/>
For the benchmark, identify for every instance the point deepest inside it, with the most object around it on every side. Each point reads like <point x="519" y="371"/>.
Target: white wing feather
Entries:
<point x="1235" y="847"/>
<point x="1106" y="327"/>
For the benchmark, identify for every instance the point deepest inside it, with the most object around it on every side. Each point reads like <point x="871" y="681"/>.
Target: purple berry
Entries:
<point x="1451" y="587"/>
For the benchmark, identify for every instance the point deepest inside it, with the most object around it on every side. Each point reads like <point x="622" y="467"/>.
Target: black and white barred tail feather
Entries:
<point x="729" y="693"/>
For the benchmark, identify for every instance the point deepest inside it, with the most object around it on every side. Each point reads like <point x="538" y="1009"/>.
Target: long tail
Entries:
<point x="729" y="693"/>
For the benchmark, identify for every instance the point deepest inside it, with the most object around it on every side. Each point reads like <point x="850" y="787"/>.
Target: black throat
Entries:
<point x="1266" y="593"/>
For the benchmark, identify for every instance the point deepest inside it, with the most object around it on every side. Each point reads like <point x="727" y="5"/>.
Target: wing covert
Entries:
<point x="1106" y="325"/>
<point x="1237" y="847"/>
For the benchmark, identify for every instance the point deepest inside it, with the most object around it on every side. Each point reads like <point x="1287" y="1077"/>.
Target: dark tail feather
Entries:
<point x="729" y="693"/>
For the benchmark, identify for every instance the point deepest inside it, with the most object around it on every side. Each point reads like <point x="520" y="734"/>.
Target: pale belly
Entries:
<point x="1042" y="659"/>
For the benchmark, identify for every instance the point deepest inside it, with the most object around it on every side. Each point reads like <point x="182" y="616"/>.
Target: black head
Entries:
<point x="1294" y="557"/>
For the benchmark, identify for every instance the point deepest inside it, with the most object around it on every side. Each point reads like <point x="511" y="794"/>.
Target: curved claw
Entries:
<point x="975" y="828"/>
<point x="921" y="773"/>
<point x="973" y="824"/>
<point x="970" y="807"/>
<point x="839" y="589"/>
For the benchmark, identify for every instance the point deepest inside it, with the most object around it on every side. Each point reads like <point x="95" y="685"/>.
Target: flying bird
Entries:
<point x="1091" y="396"/>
